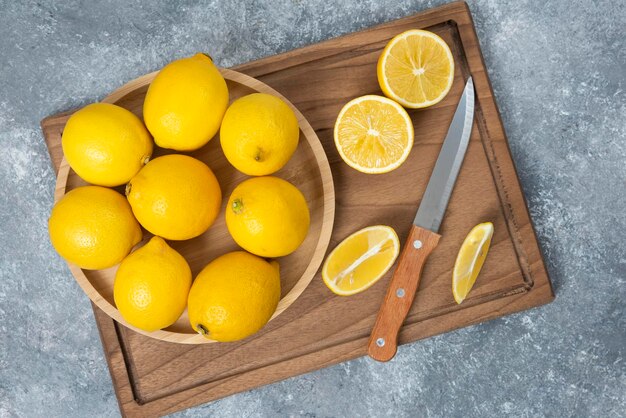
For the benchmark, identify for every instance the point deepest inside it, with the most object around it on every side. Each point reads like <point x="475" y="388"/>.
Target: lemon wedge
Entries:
<point x="470" y="260"/>
<point x="361" y="260"/>
<point x="373" y="134"/>
<point x="416" y="69"/>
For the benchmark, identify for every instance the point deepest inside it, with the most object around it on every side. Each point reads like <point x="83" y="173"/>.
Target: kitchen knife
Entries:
<point x="423" y="236"/>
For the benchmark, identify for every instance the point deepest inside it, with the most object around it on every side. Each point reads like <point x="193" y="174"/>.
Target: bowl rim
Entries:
<point x="328" y="211"/>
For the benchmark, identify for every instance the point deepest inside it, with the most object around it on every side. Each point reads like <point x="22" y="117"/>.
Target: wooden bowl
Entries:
<point x="308" y="169"/>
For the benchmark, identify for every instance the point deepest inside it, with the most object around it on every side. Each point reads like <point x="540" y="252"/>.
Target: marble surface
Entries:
<point x="558" y="71"/>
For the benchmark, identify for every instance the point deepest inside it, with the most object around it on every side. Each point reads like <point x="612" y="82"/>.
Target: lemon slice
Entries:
<point x="470" y="260"/>
<point x="373" y="134"/>
<point x="416" y="69"/>
<point x="360" y="260"/>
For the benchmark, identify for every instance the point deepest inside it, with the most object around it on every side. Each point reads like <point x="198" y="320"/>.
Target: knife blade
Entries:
<point x="423" y="236"/>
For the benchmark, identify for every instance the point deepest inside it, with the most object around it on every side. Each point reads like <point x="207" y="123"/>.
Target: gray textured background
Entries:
<point x="558" y="70"/>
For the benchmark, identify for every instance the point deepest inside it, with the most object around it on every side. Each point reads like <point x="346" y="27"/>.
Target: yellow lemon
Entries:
<point x="470" y="260"/>
<point x="185" y="103"/>
<point x="361" y="260"/>
<point x="175" y="196"/>
<point x="259" y="134"/>
<point x="416" y="69"/>
<point x="106" y="144"/>
<point x="234" y="296"/>
<point x="151" y="286"/>
<point x="373" y="134"/>
<point x="93" y="227"/>
<point x="267" y="216"/>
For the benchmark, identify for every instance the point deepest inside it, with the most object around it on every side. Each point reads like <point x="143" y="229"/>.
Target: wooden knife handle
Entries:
<point x="383" y="341"/>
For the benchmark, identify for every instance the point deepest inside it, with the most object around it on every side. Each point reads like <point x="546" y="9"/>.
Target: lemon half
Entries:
<point x="416" y="69"/>
<point x="373" y="134"/>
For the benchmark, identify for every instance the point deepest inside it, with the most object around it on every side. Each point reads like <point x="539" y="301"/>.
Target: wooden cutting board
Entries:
<point x="152" y="377"/>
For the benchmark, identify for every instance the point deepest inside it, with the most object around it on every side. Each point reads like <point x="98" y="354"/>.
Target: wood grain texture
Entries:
<point x="152" y="377"/>
<point x="307" y="169"/>
<point x="404" y="283"/>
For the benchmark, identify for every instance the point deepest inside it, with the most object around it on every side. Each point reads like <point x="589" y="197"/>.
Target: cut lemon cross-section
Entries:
<point x="360" y="260"/>
<point x="373" y="134"/>
<point x="416" y="69"/>
<point x="470" y="260"/>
